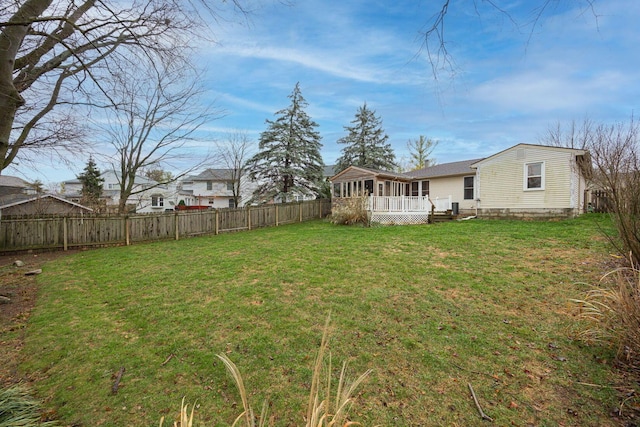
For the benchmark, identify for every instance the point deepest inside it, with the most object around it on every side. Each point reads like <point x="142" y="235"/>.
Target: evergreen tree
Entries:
<point x="288" y="162"/>
<point x="91" y="183"/>
<point x="366" y="143"/>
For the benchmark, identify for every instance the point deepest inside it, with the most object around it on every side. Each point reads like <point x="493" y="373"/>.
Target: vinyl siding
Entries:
<point x="502" y="180"/>
<point x="452" y="186"/>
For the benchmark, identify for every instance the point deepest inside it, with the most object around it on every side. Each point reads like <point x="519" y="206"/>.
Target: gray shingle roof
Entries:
<point x="445" y="169"/>
<point x="214" y="175"/>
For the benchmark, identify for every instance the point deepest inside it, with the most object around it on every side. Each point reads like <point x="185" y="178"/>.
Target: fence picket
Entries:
<point x="57" y="232"/>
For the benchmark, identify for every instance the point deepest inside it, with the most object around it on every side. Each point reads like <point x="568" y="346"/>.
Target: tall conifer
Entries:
<point x="288" y="162"/>
<point x="366" y="143"/>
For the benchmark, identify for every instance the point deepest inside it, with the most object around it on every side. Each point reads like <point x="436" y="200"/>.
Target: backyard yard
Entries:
<point x="120" y="335"/>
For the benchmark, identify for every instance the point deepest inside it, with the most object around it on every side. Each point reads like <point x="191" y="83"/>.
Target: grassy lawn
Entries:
<point x="429" y="308"/>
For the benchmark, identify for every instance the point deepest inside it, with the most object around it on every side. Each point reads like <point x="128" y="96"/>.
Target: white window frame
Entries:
<point x="157" y="201"/>
<point x="525" y="184"/>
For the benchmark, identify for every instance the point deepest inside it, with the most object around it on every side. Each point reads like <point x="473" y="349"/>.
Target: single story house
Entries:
<point x="39" y="204"/>
<point x="525" y="180"/>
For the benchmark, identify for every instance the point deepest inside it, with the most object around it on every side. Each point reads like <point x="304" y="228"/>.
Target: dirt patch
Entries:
<point x="21" y="291"/>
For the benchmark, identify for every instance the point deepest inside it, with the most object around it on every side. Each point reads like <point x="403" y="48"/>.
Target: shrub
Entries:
<point x="18" y="408"/>
<point x="614" y="312"/>
<point x="352" y="210"/>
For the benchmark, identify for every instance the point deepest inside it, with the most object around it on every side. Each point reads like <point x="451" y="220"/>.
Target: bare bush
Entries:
<point x="351" y="210"/>
<point x="614" y="168"/>
<point x="614" y="310"/>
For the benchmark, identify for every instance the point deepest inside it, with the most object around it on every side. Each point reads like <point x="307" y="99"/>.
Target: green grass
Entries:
<point x="428" y="308"/>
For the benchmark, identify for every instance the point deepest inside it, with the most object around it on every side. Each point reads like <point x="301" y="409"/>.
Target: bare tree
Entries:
<point x="53" y="51"/>
<point x="233" y="154"/>
<point x="420" y="151"/>
<point x="156" y="114"/>
<point x="615" y="168"/>
<point x="434" y="33"/>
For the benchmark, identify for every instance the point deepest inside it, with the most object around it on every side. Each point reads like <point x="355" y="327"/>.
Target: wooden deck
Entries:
<point x="401" y="210"/>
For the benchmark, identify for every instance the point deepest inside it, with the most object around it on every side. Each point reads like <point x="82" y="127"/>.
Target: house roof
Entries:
<point x="19" y="199"/>
<point x="213" y="175"/>
<point x="375" y="172"/>
<point x="578" y="152"/>
<point x="445" y="169"/>
<point x="329" y="171"/>
<point x="12" y="181"/>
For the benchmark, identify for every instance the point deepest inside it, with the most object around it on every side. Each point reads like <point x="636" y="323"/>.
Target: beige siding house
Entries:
<point x="524" y="181"/>
<point x="531" y="181"/>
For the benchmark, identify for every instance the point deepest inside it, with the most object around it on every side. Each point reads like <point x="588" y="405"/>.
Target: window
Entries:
<point x="157" y="201"/>
<point x="336" y="189"/>
<point x="534" y="176"/>
<point x="232" y="203"/>
<point x="414" y="188"/>
<point x="468" y="188"/>
<point x="209" y="185"/>
<point x="368" y="187"/>
<point x="229" y="185"/>
<point x="425" y="188"/>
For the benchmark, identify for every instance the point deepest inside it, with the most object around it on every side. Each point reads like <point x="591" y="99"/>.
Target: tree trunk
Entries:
<point x="11" y="39"/>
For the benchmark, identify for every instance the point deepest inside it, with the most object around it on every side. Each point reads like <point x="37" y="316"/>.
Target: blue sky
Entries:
<point x="510" y="83"/>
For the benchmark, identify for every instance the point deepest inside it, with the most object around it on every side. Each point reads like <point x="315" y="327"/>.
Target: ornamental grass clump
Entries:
<point x="352" y="210"/>
<point x="324" y="408"/>
<point x="19" y="409"/>
<point x="614" y="312"/>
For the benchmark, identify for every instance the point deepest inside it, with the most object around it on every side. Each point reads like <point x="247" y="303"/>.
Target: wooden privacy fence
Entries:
<point x="79" y="231"/>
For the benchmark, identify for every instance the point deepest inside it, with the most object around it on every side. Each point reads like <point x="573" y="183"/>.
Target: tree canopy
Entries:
<point x="54" y="53"/>
<point x="92" y="183"/>
<point x="288" y="162"/>
<point x="420" y="151"/>
<point x="366" y="143"/>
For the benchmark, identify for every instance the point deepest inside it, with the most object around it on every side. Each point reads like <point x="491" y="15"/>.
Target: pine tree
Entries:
<point x="366" y="143"/>
<point x="288" y="162"/>
<point x="91" y="183"/>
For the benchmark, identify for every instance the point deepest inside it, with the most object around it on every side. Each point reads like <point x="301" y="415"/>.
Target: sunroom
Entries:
<point x="392" y="197"/>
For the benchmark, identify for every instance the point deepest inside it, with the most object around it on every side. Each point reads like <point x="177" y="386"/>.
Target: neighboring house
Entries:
<point x="149" y="195"/>
<point x="14" y="185"/>
<point x="17" y="197"/>
<point x="531" y="181"/>
<point x="523" y="181"/>
<point x="39" y="204"/>
<point x="214" y="188"/>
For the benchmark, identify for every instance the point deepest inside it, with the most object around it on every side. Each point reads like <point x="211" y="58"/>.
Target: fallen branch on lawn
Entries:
<point x="114" y="388"/>
<point x="475" y="399"/>
<point x="167" y="359"/>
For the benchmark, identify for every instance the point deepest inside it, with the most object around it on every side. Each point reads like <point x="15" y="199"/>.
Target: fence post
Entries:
<point x="176" y="225"/>
<point x="300" y="210"/>
<point x="217" y="230"/>
<point x="276" y="214"/>
<point x="64" y="234"/>
<point x="249" y="218"/>
<point x="127" y="230"/>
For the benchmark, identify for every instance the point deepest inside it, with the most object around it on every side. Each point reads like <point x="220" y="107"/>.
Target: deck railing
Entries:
<point x="408" y="204"/>
<point x="399" y="204"/>
<point x="442" y="204"/>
